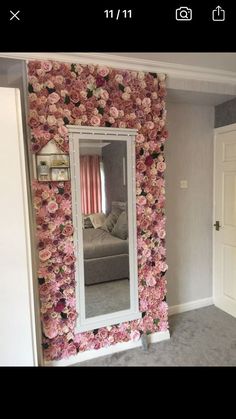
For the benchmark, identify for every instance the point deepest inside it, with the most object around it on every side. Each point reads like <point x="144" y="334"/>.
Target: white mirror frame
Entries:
<point x="77" y="133"/>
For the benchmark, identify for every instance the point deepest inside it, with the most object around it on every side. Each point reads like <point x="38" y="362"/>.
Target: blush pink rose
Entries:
<point x="46" y="66"/>
<point x="74" y="96"/>
<point x="70" y="350"/>
<point x="51" y="329"/>
<point x="151" y="282"/>
<point x="152" y="134"/>
<point x="135" y="335"/>
<point x="140" y="138"/>
<point x="52" y="207"/>
<point x="53" y="98"/>
<point x="44" y="255"/>
<point x="114" y="112"/>
<point x="141" y="200"/>
<point x="141" y="166"/>
<point x="103" y="71"/>
<point x="161" y="166"/>
<point x="67" y="230"/>
<point x="104" y="94"/>
<point x="63" y="131"/>
<point x="162" y="266"/>
<point x="69" y="260"/>
<point x="34" y="122"/>
<point x="75" y="113"/>
<point x="146" y="102"/>
<point x="149" y="125"/>
<point x="95" y="121"/>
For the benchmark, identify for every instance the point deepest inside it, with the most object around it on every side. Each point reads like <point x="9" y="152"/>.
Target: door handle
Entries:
<point x="217" y="225"/>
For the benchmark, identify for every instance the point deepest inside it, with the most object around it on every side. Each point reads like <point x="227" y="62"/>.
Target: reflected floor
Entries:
<point x="107" y="297"/>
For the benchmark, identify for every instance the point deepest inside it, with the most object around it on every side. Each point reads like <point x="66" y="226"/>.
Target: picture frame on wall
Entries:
<point x="59" y="174"/>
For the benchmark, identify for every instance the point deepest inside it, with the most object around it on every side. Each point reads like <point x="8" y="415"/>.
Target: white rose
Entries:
<point x="141" y="75"/>
<point x="161" y="77"/>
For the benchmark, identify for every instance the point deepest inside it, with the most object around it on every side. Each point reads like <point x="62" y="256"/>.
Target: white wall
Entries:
<point x="17" y="326"/>
<point x="189" y="156"/>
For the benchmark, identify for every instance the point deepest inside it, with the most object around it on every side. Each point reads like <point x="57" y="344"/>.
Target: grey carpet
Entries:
<point x="203" y="337"/>
<point x="107" y="297"/>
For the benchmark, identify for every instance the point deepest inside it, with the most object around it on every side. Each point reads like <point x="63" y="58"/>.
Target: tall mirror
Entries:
<point x="104" y="216"/>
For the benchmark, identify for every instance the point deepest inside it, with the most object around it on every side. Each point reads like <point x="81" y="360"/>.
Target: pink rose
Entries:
<point x="152" y="134"/>
<point x="59" y="79"/>
<point x="37" y="87"/>
<point x="151" y="282"/>
<point x="161" y="166"/>
<point x="141" y="200"/>
<point x="140" y="138"/>
<point x="114" y="112"/>
<point x="69" y="260"/>
<point x="103" y="71"/>
<point x="70" y="350"/>
<point x="104" y="94"/>
<point x="75" y="113"/>
<point x="74" y="96"/>
<point x="141" y="166"/>
<point x="44" y="255"/>
<point x="122" y="124"/>
<point x="52" y="207"/>
<point x="34" y="122"/>
<point x="161" y="233"/>
<point x="53" y="98"/>
<point x="51" y="329"/>
<point x="146" y="102"/>
<point x="149" y="125"/>
<point x="46" y="66"/>
<point x="135" y="335"/>
<point x="162" y="266"/>
<point x="67" y="230"/>
<point x="52" y="108"/>
<point x="95" y="121"/>
<point x="63" y="131"/>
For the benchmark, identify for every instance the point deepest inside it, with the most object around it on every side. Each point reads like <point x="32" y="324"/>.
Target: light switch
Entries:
<point x="183" y="184"/>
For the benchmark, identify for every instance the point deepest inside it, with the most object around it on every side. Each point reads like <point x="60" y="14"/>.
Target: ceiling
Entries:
<point x="217" y="61"/>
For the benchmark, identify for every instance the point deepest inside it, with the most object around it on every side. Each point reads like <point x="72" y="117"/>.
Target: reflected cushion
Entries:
<point x="111" y="220"/>
<point x="87" y="223"/>
<point x="120" y="229"/>
<point x="97" y="220"/>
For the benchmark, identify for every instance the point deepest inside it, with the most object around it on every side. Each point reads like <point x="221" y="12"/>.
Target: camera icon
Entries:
<point x="183" y="13"/>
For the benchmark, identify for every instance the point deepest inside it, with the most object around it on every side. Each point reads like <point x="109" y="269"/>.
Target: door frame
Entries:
<point x="219" y="130"/>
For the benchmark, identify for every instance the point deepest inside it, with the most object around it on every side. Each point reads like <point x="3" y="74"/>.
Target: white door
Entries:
<point x="17" y="324"/>
<point x="224" y="239"/>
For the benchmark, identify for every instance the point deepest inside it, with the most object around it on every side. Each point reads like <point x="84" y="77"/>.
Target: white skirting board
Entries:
<point x="119" y="347"/>
<point x="192" y="305"/>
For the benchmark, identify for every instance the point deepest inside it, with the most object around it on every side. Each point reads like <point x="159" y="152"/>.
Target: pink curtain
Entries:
<point x="90" y="180"/>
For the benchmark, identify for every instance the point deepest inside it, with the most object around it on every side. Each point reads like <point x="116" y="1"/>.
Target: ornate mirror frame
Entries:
<point x="77" y="133"/>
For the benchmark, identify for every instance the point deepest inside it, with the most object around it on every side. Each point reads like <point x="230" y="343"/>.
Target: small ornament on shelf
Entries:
<point x="43" y="170"/>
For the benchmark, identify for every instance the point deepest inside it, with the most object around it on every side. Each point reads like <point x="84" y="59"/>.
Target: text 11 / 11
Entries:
<point x="116" y="14"/>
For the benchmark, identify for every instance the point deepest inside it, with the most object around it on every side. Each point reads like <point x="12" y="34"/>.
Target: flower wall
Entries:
<point x="61" y="94"/>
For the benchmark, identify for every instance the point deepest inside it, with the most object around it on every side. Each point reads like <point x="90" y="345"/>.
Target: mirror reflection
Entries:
<point x="104" y="204"/>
